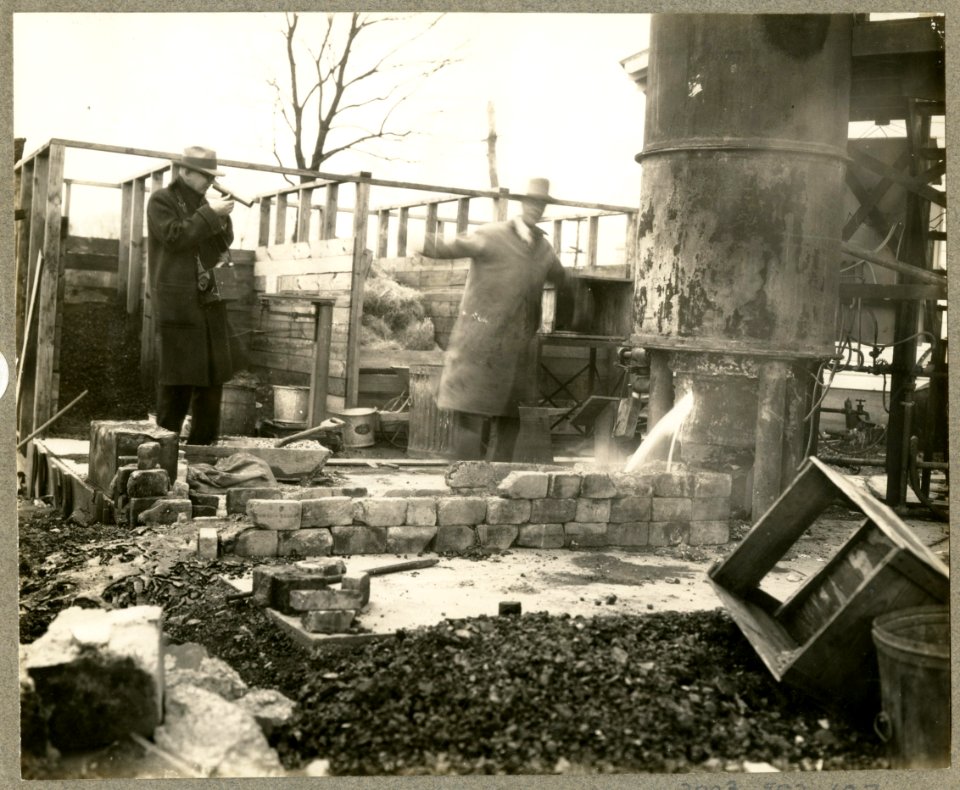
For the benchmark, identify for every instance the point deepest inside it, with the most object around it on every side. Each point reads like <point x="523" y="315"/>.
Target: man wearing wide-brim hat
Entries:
<point x="489" y="363"/>
<point x="186" y="235"/>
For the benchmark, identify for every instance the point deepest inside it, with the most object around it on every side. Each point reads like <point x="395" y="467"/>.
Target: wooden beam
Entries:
<point x="123" y="261"/>
<point x="25" y="195"/>
<point x="430" y="226"/>
<point x="263" y="236"/>
<point x="383" y="233"/>
<point x="502" y="203"/>
<point x="593" y="238"/>
<point x="402" y="232"/>
<point x="135" y="279"/>
<point x="912" y="183"/>
<point x="869" y="198"/>
<point x="361" y="261"/>
<point x="28" y="325"/>
<point x="319" y="372"/>
<point x="280" y="221"/>
<point x="898" y="37"/>
<point x="303" y="214"/>
<point x="44" y="396"/>
<point x="463" y="215"/>
<point x="630" y="243"/>
<point x="557" y="236"/>
<point x="330" y="212"/>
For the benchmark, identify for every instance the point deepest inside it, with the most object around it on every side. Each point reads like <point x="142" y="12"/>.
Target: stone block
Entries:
<point x="454" y="538"/>
<point x="148" y="455"/>
<point x="190" y="663"/>
<point x="629" y="534"/>
<point x="497" y="536"/>
<point x="630" y="508"/>
<point x="326" y="512"/>
<point x="470" y="474"/>
<point x="711" y="509"/>
<point x="708" y="533"/>
<point x="274" y="513"/>
<point x="205" y="511"/>
<point x="272" y="583"/>
<point x="166" y="511"/>
<point x="118" y="486"/>
<point x="540" y="536"/>
<point x="461" y="510"/>
<point x="675" y="483"/>
<point x="633" y="484"/>
<point x="147" y="482"/>
<point x="577" y="535"/>
<point x="179" y="489"/>
<point x="269" y="707"/>
<point x="712" y="484"/>
<point x="359" y="540"/>
<point x="100" y="674"/>
<point x="110" y="440"/>
<point x="237" y="498"/>
<point x="507" y="511"/>
<point x="597" y="485"/>
<point x="668" y="533"/>
<point x="524" y="485"/>
<point x="320" y="492"/>
<point x="564" y="485"/>
<point x="256" y="542"/>
<point x="380" y="512"/>
<point x="421" y="511"/>
<point x="409" y="540"/>
<point x="358" y="583"/>
<point x="313" y="542"/>
<point x="208" y="543"/>
<point x="405" y="492"/>
<point x="137" y="506"/>
<point x="208" y="500"/>
<point x="552" y="510"/>
<point x="671" y="509"/>
<point x="322" y="598"/>
<point x="593" y="511"/>
<point x="321" y="566"/>
<point x="328" y="621"/>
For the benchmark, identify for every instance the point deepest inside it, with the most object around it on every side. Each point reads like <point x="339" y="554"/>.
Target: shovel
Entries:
<point x="327" y="425"/>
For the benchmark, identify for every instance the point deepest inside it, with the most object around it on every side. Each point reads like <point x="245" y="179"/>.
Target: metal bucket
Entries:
<point x="913" y="652"/>
<point x="238" y="410"/>
<point x="430" y="432"/>
<point x="291" y="405"/>
<point x="359" y="426"/>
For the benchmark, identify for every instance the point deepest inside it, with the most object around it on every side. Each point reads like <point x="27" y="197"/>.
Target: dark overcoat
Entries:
<point x="488" y="363"/>
<point x="193" y="338"/>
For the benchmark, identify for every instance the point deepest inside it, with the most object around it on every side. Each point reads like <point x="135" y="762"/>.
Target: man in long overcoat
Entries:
<point x="185" y="230"/>
<point x="488" y="366"/>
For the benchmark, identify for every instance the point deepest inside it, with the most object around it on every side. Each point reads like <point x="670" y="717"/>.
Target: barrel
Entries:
<point x="238" y="410"/>
<point x="291" y="405"/>
<point x="913" y="654"/>
<point x="430" y="431"/>
<point x="359" y="426"/>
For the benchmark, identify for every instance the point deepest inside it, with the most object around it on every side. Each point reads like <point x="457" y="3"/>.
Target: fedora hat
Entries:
<point x="203" y="160"/>
<point x="538" y="189"/>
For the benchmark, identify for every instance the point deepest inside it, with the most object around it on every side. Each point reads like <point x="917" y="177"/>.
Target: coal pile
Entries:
<point x="664" y="693"/>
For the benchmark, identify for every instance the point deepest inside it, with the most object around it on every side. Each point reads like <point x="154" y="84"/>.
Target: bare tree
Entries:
<point x="351" y="78"/>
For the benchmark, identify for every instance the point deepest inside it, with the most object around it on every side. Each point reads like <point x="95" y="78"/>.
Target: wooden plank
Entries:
<point x="430" y="226"/>
<point x="911" y="183"/>
<point x="22" y="230"/>
<point x="334" y="284"/>
<point x="44" y="403"/>
<point x="280" y="220"/>
<point x="303" y="214"/>
<point x="263" y="232"/>
<point x="402" y="232"/>
<point x="302" y="250"/>
<point x="557" y="236"/>
<point x="593" y="237"/>
<point x="463" y="215"/>
<point x="77" y="278"/>
<point x="361" y="265"/>
<point x="123" y="263"/>
<point x="135" y="272"/>
<point x="321" y="368"/>
<point x="88" y="261"/>
<point x="329" y="229"/>
<point x="383" y="233"/>
<point x="502" y="204"/>
<point x="91" y="245"/>
<point x="896" y="37"/>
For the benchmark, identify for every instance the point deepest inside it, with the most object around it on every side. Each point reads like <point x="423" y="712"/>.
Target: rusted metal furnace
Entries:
<point x="740" y="230"/>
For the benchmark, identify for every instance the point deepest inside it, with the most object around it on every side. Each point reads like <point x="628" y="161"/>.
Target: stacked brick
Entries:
<point x="496" y="506"/>
<point x="143" y="493"/>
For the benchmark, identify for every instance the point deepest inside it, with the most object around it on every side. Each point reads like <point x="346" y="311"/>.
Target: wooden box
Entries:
<point x="819" y="638"/>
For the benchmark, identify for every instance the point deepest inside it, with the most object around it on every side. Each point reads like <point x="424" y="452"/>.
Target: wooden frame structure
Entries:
<point x="44" y="199"/>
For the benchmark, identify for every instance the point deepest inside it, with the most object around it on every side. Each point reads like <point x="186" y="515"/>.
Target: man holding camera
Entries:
<point x="187" y="237"/>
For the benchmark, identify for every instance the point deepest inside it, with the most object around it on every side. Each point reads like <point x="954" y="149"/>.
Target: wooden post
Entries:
<point x="402" y="232"/>
<point x="383" y="233"/>
<point x="303" y="215"/>
<point x="23" y="246"/>
<point x="263" y="235"/>
<point x="502" y="204"/>
<point x="361" y="260"/>
<point x="319" y="373"/>
<point x="37" y="214"/>
<point x="44" y="396"/>
<point x="135" y="281"/>
<point x="463" y="215"/>
<point x="148" y="340"/>
<point x="320" y="215"/>
<point x="280" y="228"/>
<point x="593" y="237"/>
<point x="430" y="226"/>
<point x="330" y="212"/>
<point x="768" y="452"/>
<point x="67" y="190"/>
<point x="630" y="243"/>
<point x="123" y="262"/>
<point x="557" y="236"/>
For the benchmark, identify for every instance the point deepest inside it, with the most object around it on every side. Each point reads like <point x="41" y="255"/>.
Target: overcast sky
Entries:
<point x="565" y="107"/>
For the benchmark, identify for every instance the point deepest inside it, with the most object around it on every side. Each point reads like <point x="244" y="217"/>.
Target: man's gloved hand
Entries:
<point x="221" y="206"/>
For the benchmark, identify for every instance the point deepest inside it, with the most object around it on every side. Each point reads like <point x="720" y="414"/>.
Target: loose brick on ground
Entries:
<point x="470" y="474"/>
<point x="409" y="540"/>
<point x="313" y="542"/>
<point x="564" y="485"/>
<point x="328" y="621"/>
<point x="359" y="583"/>
<point x="237" y="498"/>
<point x="327" y="512"/>
<point x="497" y="536"/>
<point x="524" y="485"/>
<point x="671" y="509"/>
<point x="323" y="598"/>
<point x="255" y="542"/>
<point x="597" y="485"/>
<point x="629" y="534"/>
<point x="540" y="536"/>
<point x="208" y="543"/>
<point x="166" y="511"/>
<point x="272" y="584"/>
<point x="593" y="511"/>
<point x="461" y="510"/>
<point x="668" y="533"/>
<point x="630" y="508"/>
<point x="421" y="511"/>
